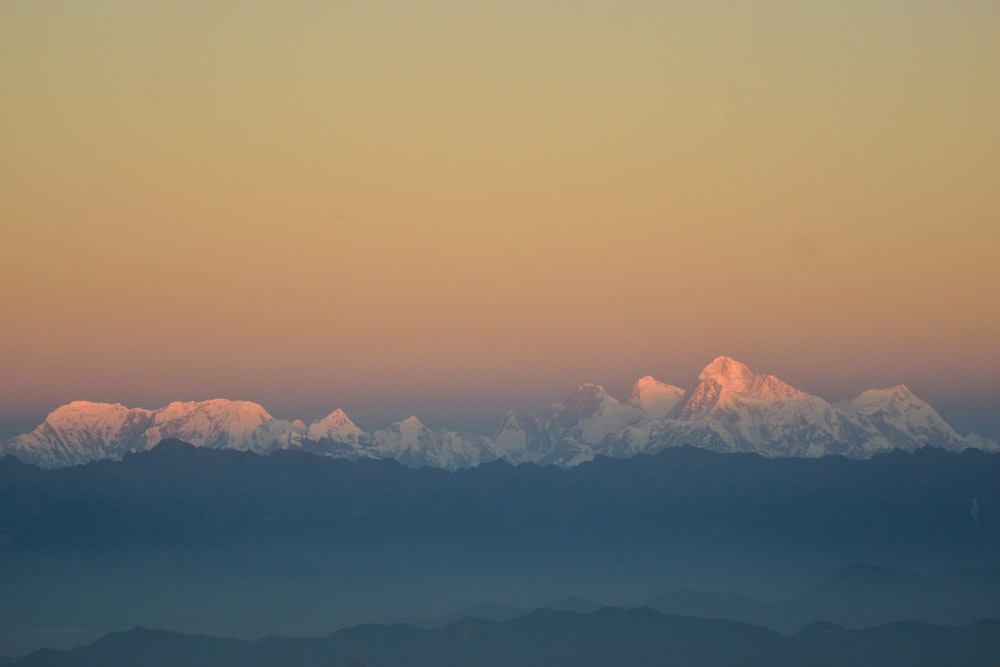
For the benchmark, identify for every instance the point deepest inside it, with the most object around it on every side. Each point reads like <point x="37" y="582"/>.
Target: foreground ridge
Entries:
<point x="729" y="408"/>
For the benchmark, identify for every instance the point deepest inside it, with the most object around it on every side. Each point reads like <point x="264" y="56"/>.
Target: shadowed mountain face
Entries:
<point x="237" y="544"/>
<point x="608" y="637"/>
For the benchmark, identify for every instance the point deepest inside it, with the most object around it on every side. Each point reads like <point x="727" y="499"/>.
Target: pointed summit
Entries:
<point x="726" y="383"/>
<point x="729" y="373"/>
<point x="409" y="429"/>
<point x="335" y="426"/>
<point x="511" y="438"/>
<point x="655" y="397"/>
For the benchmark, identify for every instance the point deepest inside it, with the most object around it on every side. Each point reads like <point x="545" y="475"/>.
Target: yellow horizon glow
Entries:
<point x="323" y="197"/>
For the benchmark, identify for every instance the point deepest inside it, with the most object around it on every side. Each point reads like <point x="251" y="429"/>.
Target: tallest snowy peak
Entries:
<point x="729" y="373"/>
<point x="726" y="384"/>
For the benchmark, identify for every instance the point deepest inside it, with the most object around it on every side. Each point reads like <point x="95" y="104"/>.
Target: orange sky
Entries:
<point x="453" y="208"/>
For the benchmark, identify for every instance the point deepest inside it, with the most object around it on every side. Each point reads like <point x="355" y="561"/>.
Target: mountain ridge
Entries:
<point x="608" y="636"/>
<point x="728" y="408"/>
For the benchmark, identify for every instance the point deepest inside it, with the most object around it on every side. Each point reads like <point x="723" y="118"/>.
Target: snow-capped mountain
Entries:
<point x="412" y="443"/>
<point x="731" y="408"/>
<point x="728" y="408"/>
<point x="335" y="426"/>
<point x="653" y="397"/>
<point x="80" y="432"/>
<point x="903" y="420"/>
<point x="216" y="424"/>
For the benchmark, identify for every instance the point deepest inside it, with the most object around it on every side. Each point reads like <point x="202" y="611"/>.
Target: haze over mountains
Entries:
<point x="729" y="408"/>
<point x="242" y="545"/>
<point x="607" y="637"/>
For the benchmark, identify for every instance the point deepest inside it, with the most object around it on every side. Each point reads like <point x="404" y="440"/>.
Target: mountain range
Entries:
<point x="605" y="637"/>
<point x="729" y="408"/>
<point x="859" y="596"/>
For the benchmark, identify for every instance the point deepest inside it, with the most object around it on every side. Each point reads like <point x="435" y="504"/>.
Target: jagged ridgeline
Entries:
<point x="728" y="408"/>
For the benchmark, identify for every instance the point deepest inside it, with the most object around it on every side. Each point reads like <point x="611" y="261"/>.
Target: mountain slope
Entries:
<point x="80" y="432"/>
<point x="413" y="444"/>
<point x="729" y="408"/>
<point x="732" y="409"/>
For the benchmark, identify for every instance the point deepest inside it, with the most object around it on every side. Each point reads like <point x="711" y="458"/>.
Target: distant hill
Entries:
<point x="858" y="596"/>
<point x="606" y="638"/>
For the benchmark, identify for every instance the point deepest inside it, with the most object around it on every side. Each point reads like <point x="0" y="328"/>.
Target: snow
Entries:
<point x="727" y="372"/>
<point x="729" y="408"/>
<point x="654" y="397"/>
<point x="335" y="426"/>
<point x="217" y="423"/>
<point x="511" y="438"/>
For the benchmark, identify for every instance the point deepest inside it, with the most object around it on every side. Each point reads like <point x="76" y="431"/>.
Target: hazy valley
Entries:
<point x="236" y="544"/>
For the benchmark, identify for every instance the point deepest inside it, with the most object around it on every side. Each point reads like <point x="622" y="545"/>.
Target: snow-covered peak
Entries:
<point x="727" y="384"/>
<point x="511" y="438"/>
<point x="216" y="423"/>
<point x="406" y="433"/>
<point x="728" y="408"/>
<point x="411" y="423"/>
<point x="335" y="426"/>
<point x="587" y="400"/>
<point x="412" y="443"/>
<point x="877" y="399"/>
<point x="904" y="418"/>
<point x="80" y="432"/>
<point x="728" y="372"/>
<point x="237" y="417"/>
<point x="226" y="406"/>
<point x="87" y="413"/>
<point x="655" y="397"/>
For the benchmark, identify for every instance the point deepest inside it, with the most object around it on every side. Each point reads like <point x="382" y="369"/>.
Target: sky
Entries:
<point x="450" y="209"/>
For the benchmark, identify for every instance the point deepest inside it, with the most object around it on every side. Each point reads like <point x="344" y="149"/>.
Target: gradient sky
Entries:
<point x="452" y="208"/>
